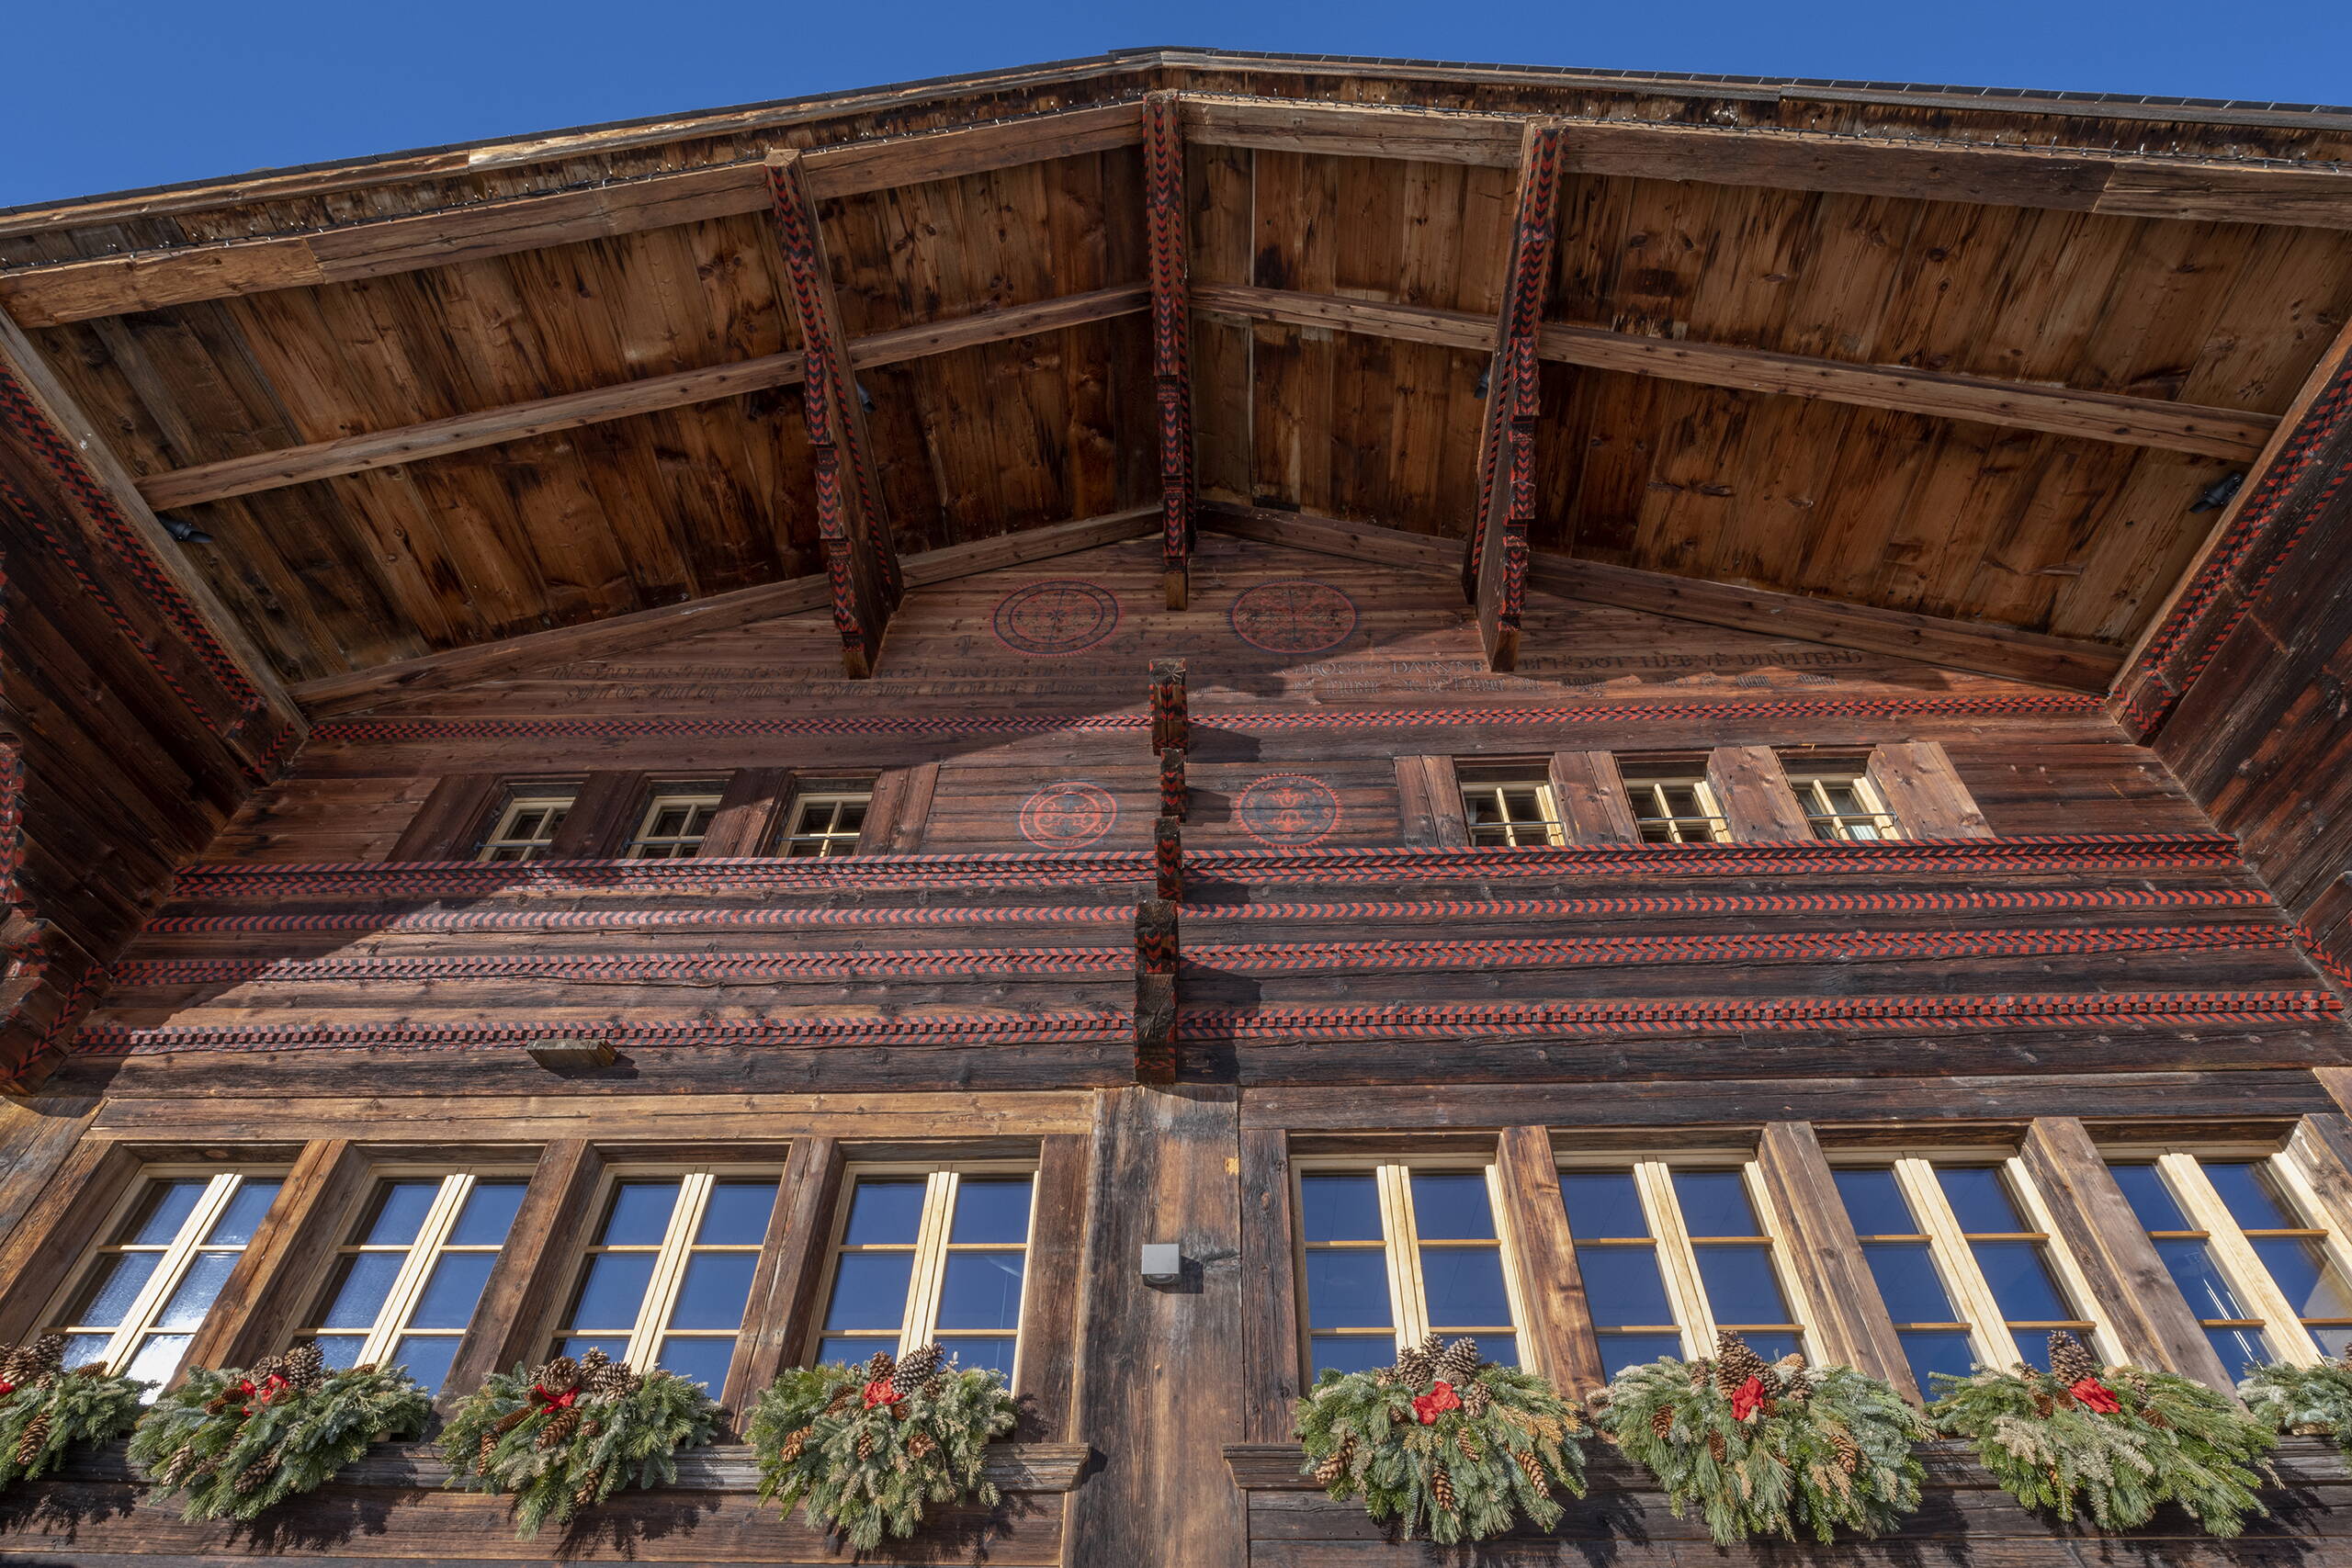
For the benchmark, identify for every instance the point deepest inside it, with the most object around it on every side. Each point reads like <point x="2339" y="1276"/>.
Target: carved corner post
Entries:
<point x="1171" y="738"/>
<point x="1171" y="330"/>
<point x="1155" y="959"/>
<point x="861" y="563"/>
<point x="1494" y="572"/>
<point x="1168" y="859"/>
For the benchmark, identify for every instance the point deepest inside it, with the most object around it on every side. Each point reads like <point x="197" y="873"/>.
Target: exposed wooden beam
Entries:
<point x="1171" y="335"/>
<point x="861" y="563"/>
<point x="1495" y="562"/>
<point x="1866" y="628"/>
<point x="58" y="292"/>
<point x="519" y="656"/>
<point x="515" y="422"/>
<point x="2096" y="416"/>
<point x="2071" y="180"/>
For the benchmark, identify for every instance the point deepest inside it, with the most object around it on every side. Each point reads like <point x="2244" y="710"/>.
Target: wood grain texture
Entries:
<point x="1752" y="792"/>
<point x="1590" y="796"/>
<point x="1272" y="1380"/>
<point x="1832" y="1274"/>
<point x="1920" y="786"/>
<point x="1557" y="1340"/>
<point x="534" y="1268"/>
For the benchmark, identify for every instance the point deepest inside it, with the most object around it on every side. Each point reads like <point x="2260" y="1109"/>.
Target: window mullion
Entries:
<point x="669" y="1269"/>
<point x="929" y="1275"/>
<point x="1408" y="1309"/>
<point x="1508" y="1248"/>
<point x="1988" y="1325"/>
<point x="173" y="1263"/>
<point x="2078" y="1286"/>
<point x="400" y="1302"/>
<point x="1677" y="1264"/>
<point x="2283" y="1331"/>
<point x="1801" y="1308"/>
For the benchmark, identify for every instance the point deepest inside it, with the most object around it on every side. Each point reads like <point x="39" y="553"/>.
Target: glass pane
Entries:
<point x="981" y="1355"/>
<point x="2033" y="1347"/>
<point x="1933" y="1352"/>
<point x="1980" y="1199"/>
<point x="1772" y="1346"/>
<point x="2303" y="1271"/>
<point x="669" y="822"/>
<point x="1348" y="1290"/>
<point x="717" y="1288"/>
<point x="991" y="1208"/>
<point x="1908" y="1283"/>
<point x="870" y="1291"/>
<point x="2192" y="1267"/>
<point x="450" y="1292"/>
<point x="81" y="1349"/>
<point x="2152" y="1202"/>
<point x="398" y="1212"/>
<point x="1339" y="1208"/>
<point x="1501" y="1349"/>
<point x="158" y="1358"/>
<point x="1465" y="1287"/>
<point x="2335" y="1342"/>
<point x="206" y="1272"/>
<point x="849" y="817"/>
<point x="1875" y="1203"/>
<point x="2241" y="1350"/>
<point x="427" y="1358"/>
<point x="341" y="1351"/>
<point x="577" y="1345"/>
<point x="736" y="1214"/>
<point x="1715" y="1202"/>
<point x="2247" y="1193"/>
<point x="489" y="1213"/>
<point x="1740" y="1284"/>
<point x="1603" y="1204"/>
<point x="2020" y="1280"/>
<point x="698" y="1360"/>
<point x="1452" y="1205"/>
<point x="1622" y="1285"/>
<point x="355" y="1292"/>
<point x="981" y="1290"/>
<point x="884" y="1211"/>
<point x="613" y="1292"/>
<point x="1484" y="807"/>
<point x="242" y="1216"/>
<point x="639" y="1215"/>
<point x="113" y="1285"/>
<point x="162" y="1211"/>
<point x="1351" y="1353"/>
<point x="1681" y="800"/>
<point x="1619" y="1351"/>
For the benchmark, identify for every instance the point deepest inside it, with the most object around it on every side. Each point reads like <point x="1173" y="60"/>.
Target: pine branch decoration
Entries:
<point x="566" y="1435"/>
<point x="865" y="1450"/>
<point x="46" y="1411"/>
<point x="1779" y="1450"/>
<point x="2310" y="1401"/>
<point x="235" y="1442"/>
<point x="1452" y="1446"/>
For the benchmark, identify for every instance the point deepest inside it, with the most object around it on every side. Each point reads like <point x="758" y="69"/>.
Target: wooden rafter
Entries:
<point x="861" y="563"/>
<point x="2021" y="405"/>
<point x="1494" y="570"/>
<point x="1171" y="333"/>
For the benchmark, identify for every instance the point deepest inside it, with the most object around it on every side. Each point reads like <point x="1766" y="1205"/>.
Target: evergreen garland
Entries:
<point x="2115" y="1440"/>
<point x="235" y="1442"/>
<point x="1783" y="1450"/>
<point x="864" y="1449"/>
<point x="568" y="1434"/>
<point x="1452" y="1447"/>
<point x="2307" y="1401"/>
<point x="45" y="1410"/>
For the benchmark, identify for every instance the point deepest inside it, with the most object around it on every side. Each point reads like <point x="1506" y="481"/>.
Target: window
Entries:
<point x="1676" y="811"/>
<point x="825" y="824"/>
<point x="526" y="826"/>
<point x="669" y="1273"/>
<point x="403" y="1285"/>
<point x="2230" y="1231"/>
<point x="147" y="1289"/>
<point x="673" y="825"/>
<point x="1392" y="1255"/>
<point x="930" y="1257"/>
<point x="1966" y="1270"/>
<point x="1843" y="805"/>
<point x="1511" y="812"/>
<point x="1671" y="1256"/>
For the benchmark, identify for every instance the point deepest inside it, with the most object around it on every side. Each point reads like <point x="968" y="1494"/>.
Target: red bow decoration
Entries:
<point x="2095" y="1395"/>
<point x="1747" y="1398"/>
<point x="268" y="1389"/>
<point x="6" y="1388"/>
<point x="549" y="1400"/>
<point x="879" y="1391"/>
<point x="1440" y="1399"/>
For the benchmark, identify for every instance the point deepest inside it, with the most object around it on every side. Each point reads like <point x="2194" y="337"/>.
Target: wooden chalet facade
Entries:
<point x="1722" y="701"/>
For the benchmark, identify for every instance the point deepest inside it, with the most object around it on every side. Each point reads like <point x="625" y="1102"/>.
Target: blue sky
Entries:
<point x="113" y="94"/>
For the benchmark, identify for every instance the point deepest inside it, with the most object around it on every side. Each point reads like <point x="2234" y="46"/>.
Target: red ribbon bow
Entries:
<point x="1748" y="1398"/>
<point x="879" y="1391"/>
<point x="268" y="1389"/>
<point x="550" y="1401"/>
<point x="2095" y="1395"/>
<point x="6" y="1388"/>
<point x="1440" y="1399"/>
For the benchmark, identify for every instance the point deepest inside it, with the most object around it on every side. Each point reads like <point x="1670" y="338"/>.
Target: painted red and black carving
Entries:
<point x="1069" y="816"/>
<point x="1287" y="810"/>
<point x="1060" y="615"/>
<point x="1296" y="616"/>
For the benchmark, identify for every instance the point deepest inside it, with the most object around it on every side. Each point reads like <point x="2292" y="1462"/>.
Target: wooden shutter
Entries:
<point x="449" y="825"/>
<point x="1592" y="799"/>
<point x="1429" y="801"/>
<point x="1924" y="794"/>
<point x="901" y="809"/>
<point x="603" y="815"/>
<point x="1753" y="794"/>
<point x="747" y="812"/>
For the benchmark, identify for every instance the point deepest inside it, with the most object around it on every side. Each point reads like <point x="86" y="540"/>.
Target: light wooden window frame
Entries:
<point x="672" y="1255"/>
<point x="918" y="1324"/>
<point x="1498" y="787"/>
<point x="430" y="1245"/>
<point x="221" y="1185"/>
<point x="1812" y="786"/>
<point x="701" y="805"/>
<point x="556" y="800"/>
<point x="1992" y="1336"/>
<point x="1646" y="798"/>
<point x="2182" y="1169"/>
<point x="1676" y="1250"/>
<point x="830" y="841"/>
<point x="1401" y="1245"/>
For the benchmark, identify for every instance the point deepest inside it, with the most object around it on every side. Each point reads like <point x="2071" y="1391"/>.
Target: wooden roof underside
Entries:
<point x="1904" y="356"/>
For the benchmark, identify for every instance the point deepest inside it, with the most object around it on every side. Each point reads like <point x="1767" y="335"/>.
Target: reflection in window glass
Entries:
<point x="403" y="1285"/>
<point x="1368" y="1235"/>
<point x="668" y="1278"/>
<point x="936" y="1258"/>
<point x="1901" y="1254"/>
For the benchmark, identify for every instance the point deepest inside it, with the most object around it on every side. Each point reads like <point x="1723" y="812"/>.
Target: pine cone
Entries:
<point x="843" y="1398"/>
<point x="915" y="1369"/>
<point x="880" y="1367"/>
<point x="1716" y="1446"/>
<point x="1415" y="1367"/>
<point x="559" y="1376"/>
<point x="1474" y="1400"/>
<point x="794" y="1444"/>
<point x="1662" y="1420"/>
<point x="482" y="1457"/>
<point x="584" y="1496"/>
<point x="607" y="1379"/>
<point x="920" y="1446"/>
<point x="1468" y="1445"/>
<point x="14" y="1368"/>
<point x="173" y="1468"/>
<point x="592" y="1429"/>
<point x="255" y="1476"/>
<point x="2069" y="1362"/>
<point x="28" y="1447"/>
<point x="91" y="1370"/>
<point x="2151" y="1416"/>
<point x="866" y="1445"/>
<point x="1383" y="1376"/>
<point x="44" y="1355"/>
<point x="592" y="1358"/>
<point x="1336" y="1463"/>
<point x="1735" y="1362"/>
<point x="509" y="1421"/>
<point x="1440" y="1486"/>
<point x="2045" y="1406"/>
<point x="1849" y="1452"/>
<point x="1458" y="1363"/>
<point x="215" y="1406"/>
<point x="305" y="1366"/>
<point x="1532" y="1468"/>
<point x="559" y="1428"/>
<point x="935" y="1385"/>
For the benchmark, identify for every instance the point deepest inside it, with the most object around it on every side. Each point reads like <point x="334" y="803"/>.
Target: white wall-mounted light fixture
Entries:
<point x="1163" y="1263"/>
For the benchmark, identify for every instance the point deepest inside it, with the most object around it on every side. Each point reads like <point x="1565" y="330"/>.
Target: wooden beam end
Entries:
<point x="570" y="1055"/>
